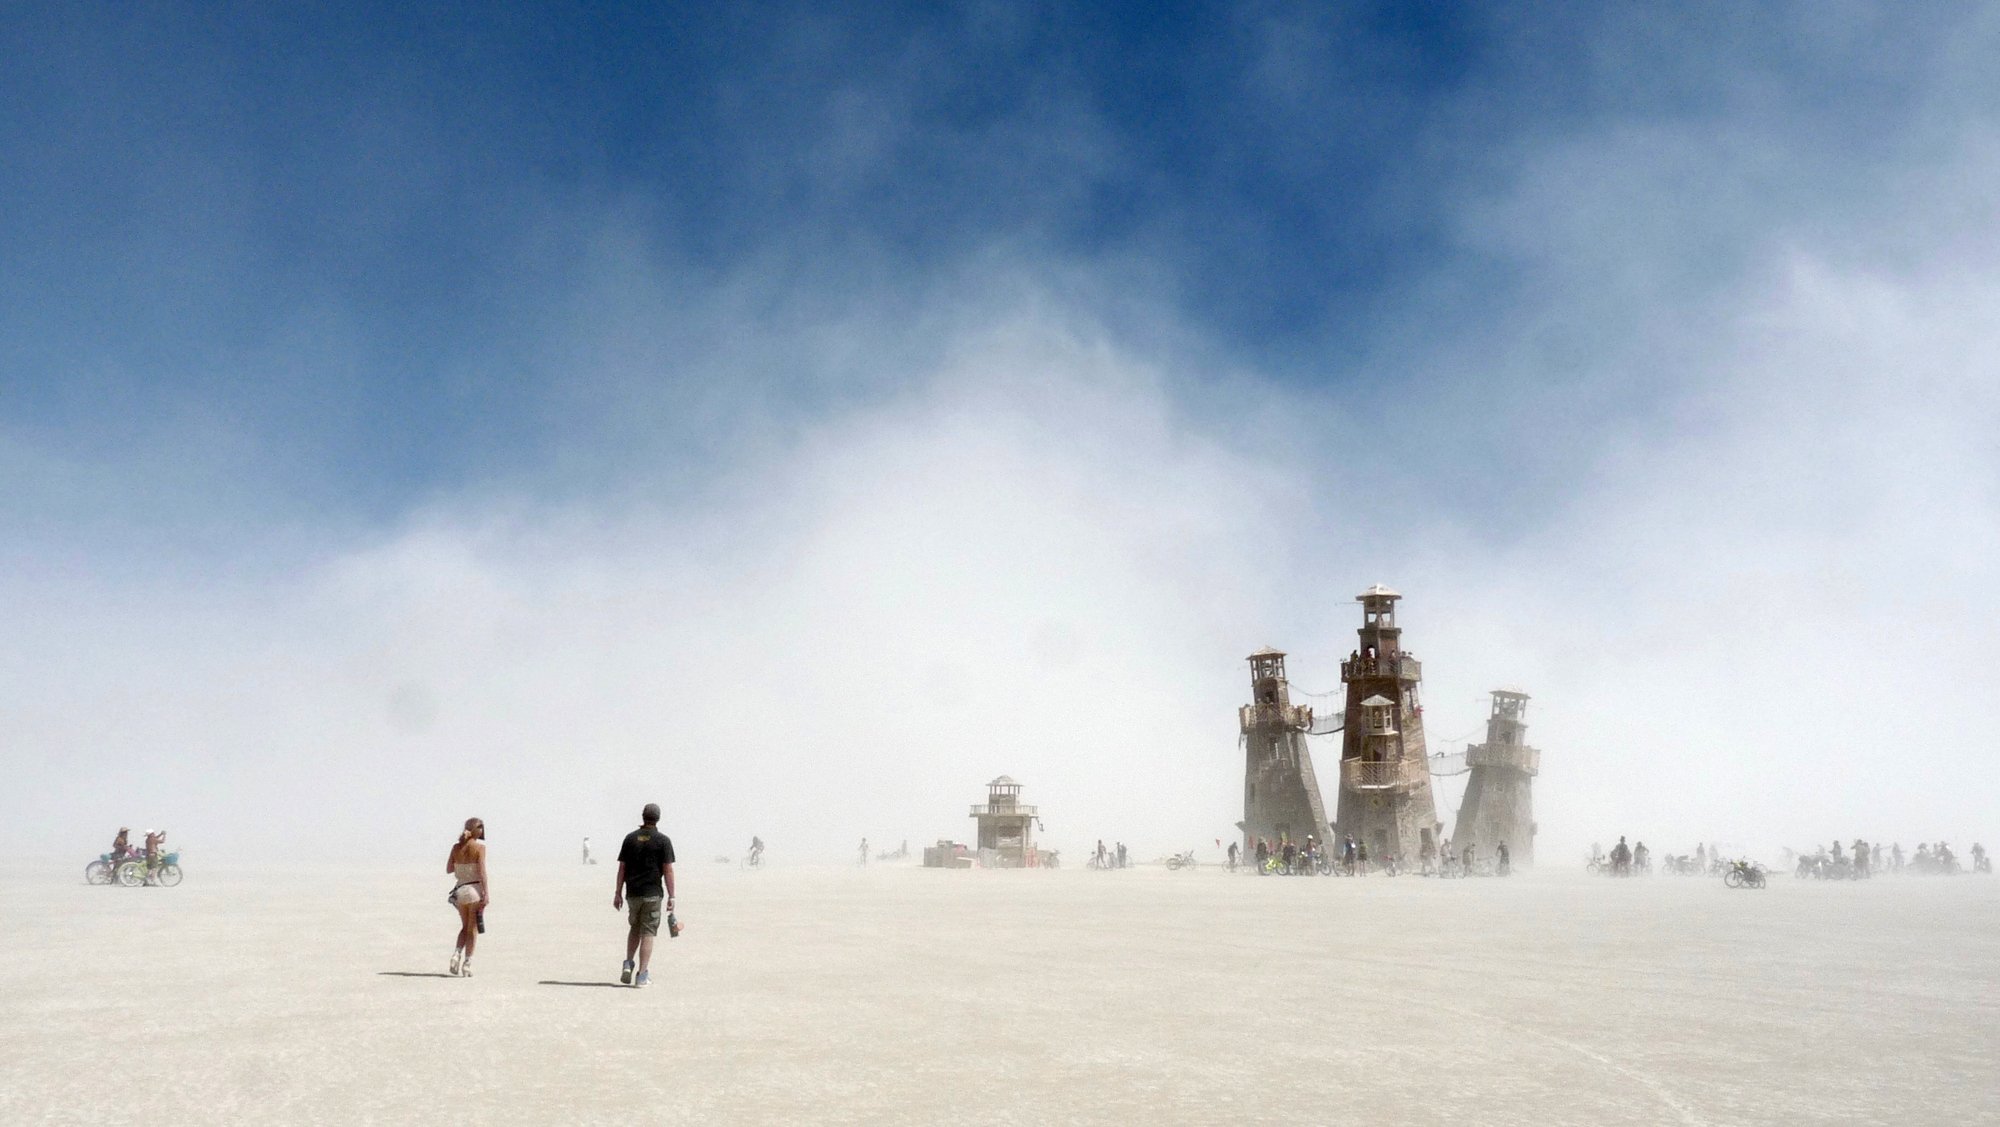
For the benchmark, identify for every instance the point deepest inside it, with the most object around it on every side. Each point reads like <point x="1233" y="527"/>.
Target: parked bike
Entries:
<point x="1744" y="874"/>
<point x="1181" y="860"/>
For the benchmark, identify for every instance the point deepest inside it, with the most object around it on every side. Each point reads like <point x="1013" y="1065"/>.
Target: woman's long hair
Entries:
<point x="469" y="835"/>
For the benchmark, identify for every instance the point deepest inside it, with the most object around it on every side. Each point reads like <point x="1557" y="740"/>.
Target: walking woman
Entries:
<point x="471" y="895"/>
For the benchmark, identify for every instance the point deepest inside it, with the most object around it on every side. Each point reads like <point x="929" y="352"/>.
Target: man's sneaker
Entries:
<point x="645" y="978"/>
<point x="625" y="975"/>
<point x="465" y="968"/>
<point x="457" y="961"/>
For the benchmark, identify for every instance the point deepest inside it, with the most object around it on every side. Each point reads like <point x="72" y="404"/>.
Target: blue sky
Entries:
<point x="1287" y="182"/>
<point x="367" y="312"/>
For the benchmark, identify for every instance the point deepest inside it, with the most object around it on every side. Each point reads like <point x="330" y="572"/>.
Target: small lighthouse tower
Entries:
<point x="1499" y="803"/>
<point x="1385" y="780"/>
<point x="1006" y="827"/>
<point x="1280" y="792"/>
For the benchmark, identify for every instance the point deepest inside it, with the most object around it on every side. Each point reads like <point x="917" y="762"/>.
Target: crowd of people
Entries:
<point x="1351" y="857"/>
<point x="1856" y="860"/>
<point x="1859" y="860"/>
<point x="1623" y="861"/>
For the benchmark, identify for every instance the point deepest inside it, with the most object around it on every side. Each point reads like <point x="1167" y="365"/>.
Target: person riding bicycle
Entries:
<point x="121" y="845"/>
<point x="156" y="846"/>
<point x="1232" y="856"/>
<point x="756" y="849"/>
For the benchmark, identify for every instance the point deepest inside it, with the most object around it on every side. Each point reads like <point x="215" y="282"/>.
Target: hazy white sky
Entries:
<point x="1675" y="410"/>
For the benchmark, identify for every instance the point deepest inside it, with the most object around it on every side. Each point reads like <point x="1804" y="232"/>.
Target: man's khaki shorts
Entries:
<point x="644" y="912"/>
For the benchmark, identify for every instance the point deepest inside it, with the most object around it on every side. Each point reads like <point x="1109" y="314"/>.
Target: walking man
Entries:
<point x="645" y="864"/>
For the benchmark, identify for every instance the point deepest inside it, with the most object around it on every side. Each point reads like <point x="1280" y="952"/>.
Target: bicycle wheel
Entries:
<point x="97" y="872"/>
<point x="169" y="875"/>
<point x="132" y="874"/>
<point x="1733" y="879"/>
<point x="1173" y="863"/>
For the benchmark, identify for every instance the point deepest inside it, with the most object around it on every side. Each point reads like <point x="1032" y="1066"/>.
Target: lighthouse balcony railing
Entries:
<point x="1001" y="810"/>
<point x="1513" y="757"/>
<point x="1400" y="667"/>
<point x="1386" y="774"/>
<point x="1296" y="717"/>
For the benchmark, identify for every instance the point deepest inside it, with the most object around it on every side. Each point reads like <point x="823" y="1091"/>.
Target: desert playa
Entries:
<point x="903" y="995"/>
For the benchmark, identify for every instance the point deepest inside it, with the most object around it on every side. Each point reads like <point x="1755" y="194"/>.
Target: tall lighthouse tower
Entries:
<point x="1499" y="806"/>
<point x="1385" y="780"/>
<point x="1280" y="793"/>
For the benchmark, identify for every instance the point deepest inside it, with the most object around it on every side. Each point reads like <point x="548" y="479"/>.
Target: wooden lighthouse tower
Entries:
<point x="1499" y="803"/>
<point x="1280" y="792"/>
<point x="1006" y="827"/>
<point x="1385" y="781"/>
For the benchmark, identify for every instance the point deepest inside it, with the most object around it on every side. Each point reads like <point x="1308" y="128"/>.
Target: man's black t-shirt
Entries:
<point x="644" y="851"/>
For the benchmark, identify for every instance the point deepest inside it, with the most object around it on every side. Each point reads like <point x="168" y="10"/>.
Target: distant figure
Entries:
<point x="1470" y="854"/>
<point x="1642" y="858"/>
<point x="1896" y="856"/>
<point x="121" y="845"/>
<point x="1861" y="858"/>
<point x="471" y="895"/>
<point x="756" y="851"/>
<point x="1263" y="856"/>
<point x="1288" y="854"/>
<point x="864" y="851"/>
<point x="645" y="863"/>
<point x="1427" y="857"/>
<point x="1979" y="862"/>
<point x="1506" y="865"/>
<point x="156" y="848"/>
<point x="1361" y="857"/>
<point x="1121" y="854"/>
<point x="1621" y="859"/>
<point x="1700" y="857"/>
<point x="586" y="851"/>
<point x="1232" y="856"/>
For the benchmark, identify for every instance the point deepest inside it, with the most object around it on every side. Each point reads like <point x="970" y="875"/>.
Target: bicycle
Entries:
<point x="1743" y="874"/>
<point x="166" y="872"/>
<point x="1181" y="861"/>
